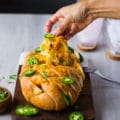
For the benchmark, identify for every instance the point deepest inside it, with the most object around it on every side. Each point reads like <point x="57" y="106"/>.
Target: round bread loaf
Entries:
<point x="52" y="78"/>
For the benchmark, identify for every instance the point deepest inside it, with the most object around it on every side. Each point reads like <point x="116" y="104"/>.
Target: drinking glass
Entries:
<point x="113" y="38"/>
<point x="87" y="38"/>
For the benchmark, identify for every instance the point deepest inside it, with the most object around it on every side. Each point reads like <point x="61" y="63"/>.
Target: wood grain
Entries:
<point x="83" y="104"/>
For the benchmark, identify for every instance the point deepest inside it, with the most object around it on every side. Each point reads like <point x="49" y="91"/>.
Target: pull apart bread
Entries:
<point x="51" y="77"/>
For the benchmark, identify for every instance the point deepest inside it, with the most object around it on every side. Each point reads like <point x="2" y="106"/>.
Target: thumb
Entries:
<point x="64" y="25"/>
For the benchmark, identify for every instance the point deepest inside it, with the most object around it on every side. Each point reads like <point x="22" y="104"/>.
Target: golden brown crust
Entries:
<point x="86" y="48"/>
<point x="45" y="88"/>
<point x="112" y="56"/>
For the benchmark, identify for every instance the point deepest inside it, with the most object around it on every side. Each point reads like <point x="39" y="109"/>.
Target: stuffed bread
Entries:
<point x="51" y="77"/>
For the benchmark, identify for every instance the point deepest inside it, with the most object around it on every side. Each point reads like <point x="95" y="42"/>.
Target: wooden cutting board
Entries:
<point x="83" y="104"/>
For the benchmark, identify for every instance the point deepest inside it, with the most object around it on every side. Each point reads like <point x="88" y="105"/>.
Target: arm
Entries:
<point x="75" y="17"/>
<point x="104" y="8"/>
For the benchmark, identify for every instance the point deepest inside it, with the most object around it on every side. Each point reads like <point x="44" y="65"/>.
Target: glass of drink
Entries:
<point x="113" y="38"/>
<point x="87" y="38"/>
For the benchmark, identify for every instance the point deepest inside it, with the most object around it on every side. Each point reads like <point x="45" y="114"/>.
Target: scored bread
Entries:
<point x="52" y="78"/>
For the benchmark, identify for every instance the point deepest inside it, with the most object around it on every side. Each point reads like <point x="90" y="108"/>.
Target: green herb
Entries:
<point x="10" y="82"/>
<point x="71" y="49"/>
<point x="29" y="73"/>
<point x="32" y="60"/>
<point x="46" y="66"/>
<point x="76" y="116"/>
<point x="44" y="73"/>
<point x="3" y="95"/>
<point x="66" y="99"/>
<point x="38" y="49"/>
<point x="67" y="80"/>
<point x="26" y="110"/>
<point x="49" y="35"/>
<point x="3" y="77"/>
<point x="12" y="76"/>
<point x="81" y="58"/>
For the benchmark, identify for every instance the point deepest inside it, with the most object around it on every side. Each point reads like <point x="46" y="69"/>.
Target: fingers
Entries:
<point x="62" y="28"/>
<point x="56" y="17"/>
<point x="50" y="23"/>
<point x="77" y="27"/>
<point x="85" y="22"/>
<point x="72" y="31"/>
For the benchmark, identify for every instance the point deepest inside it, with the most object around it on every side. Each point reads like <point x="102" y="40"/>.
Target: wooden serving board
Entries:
<point x="83" y="104"/>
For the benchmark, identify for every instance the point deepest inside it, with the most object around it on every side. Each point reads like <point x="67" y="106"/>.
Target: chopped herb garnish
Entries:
<point x="46" y="66"/>
<point x="33" y="60"/>
<point x="45" y="75"/>
<point x="3" y="95"/>
<point x="38" y="49"/>
<point x="10" y="82"/>
<point x="66" y="99"/>
<point x="13" y="77"/>
<point x="3" y="77"/>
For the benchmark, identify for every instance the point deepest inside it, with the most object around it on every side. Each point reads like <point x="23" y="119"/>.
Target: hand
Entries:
<point x="72" y="18"/>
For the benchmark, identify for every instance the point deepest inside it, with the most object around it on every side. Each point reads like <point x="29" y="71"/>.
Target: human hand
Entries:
<point x="72" y="18"/>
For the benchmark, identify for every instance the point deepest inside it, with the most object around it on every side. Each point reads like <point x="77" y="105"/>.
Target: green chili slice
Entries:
<point x="76" y="115"/>
<point x="3" y="95"/>
<point x="81" y="58"/>
<point x="26" y="110"/>
<point x="29" y="73"/>
<point x="49" y="35"/>
<point x="38" y="49"/>
<point x="66" y="99"/>
<point x="71" y="49"/>
<point x="67" y="80"/>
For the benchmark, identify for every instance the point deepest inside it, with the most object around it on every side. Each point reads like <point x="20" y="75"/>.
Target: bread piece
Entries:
<point x="46" y="88"/>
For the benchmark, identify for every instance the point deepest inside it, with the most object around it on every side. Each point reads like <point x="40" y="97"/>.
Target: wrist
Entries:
<point x="104" y="8"/>
<point x="83" y="7"/>
<point x="91" y="8"/>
